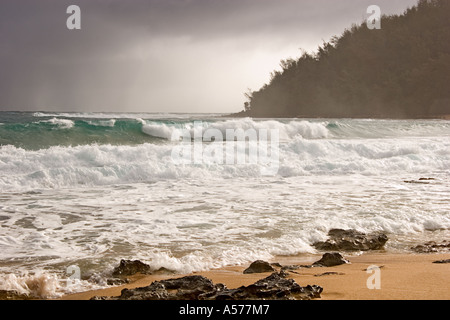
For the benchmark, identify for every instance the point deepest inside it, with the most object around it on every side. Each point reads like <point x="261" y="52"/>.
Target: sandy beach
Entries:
<point x="401" y="277"/>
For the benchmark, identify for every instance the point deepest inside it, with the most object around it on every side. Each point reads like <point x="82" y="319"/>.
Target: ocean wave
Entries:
<point x="162" y="131"/>
<point x="123" y="115"/>
<point x="39" y="285"/>
<point x="379" y="129"/>
<point x="110" y="164"/>
<point x="60" y="123"/>
<point x="105" y="189"/>
<point x="48" y="285"/>
<point x="286" y="131"/>
<point x="102" y="123"/>
<point x="90" y="115"/>
<point x="132" y="131"/>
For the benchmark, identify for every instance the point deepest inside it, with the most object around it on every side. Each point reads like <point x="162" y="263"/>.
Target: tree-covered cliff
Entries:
<point x="399" y="71"/>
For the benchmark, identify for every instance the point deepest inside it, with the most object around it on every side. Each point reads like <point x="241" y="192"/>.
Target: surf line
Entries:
<point x="208" y="146"/>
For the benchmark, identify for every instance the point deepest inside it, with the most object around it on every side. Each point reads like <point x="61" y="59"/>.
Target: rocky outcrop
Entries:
<point x="432" y="246"/>
<point x="330" y="260"/>
<point x="185" y="288"/>
<point x="117" y="281"/>
<point x="442" y="261"/>
<point x="420" y="181"/>
<point x="274" y="287"/>
<point x="351" y="240"/>
<point x="196" y="287"/>
<point x="131" y="267"/>
<point x="328" y="274"/>
<point x="327" y="260"/>
<point x="259" y="266"/>
<point x="292" y="268"/>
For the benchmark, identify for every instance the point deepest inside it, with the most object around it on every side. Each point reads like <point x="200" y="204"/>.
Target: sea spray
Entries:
<point x="236" y="147"/>
<point x="99" y="165"/>
<point x="39" y="285"/>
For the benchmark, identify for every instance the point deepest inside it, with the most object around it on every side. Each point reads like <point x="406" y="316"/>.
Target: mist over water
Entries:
<point x="91" y="189"/>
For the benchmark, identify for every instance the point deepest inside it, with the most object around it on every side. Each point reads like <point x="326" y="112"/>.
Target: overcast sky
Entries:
<point x="159" y="55"/>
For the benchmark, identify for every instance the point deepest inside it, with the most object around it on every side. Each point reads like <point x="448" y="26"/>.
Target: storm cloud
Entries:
<point x="159" y="55"/>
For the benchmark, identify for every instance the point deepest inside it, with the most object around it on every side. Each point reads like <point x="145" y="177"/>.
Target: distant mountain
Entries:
<point x="399" y="71"/>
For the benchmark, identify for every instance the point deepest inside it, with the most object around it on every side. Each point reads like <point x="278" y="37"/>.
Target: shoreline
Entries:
<point x="402" y="276"/>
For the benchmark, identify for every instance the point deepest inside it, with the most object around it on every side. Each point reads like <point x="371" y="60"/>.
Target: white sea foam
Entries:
<point x="46" y="285"/>
<point x="287" y="131"/>
<point x="160" y="131"/>
<point x="102" y="123"/>
<point x="60" y="123"/>
<point x="97" y="204"/>
<point x="39" y="285"/>
<point x="93" y="165"/>
<point x="197" y="224"/>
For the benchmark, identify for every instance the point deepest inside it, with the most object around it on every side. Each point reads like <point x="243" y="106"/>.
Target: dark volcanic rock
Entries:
<point x="351" y="240"/>
<point x="291" y="267"/>
<point x="276" y="264"/>
<point x="259" y="266"/>
<point x="420" y="181"/>
<point x="416" y="181"/>
<point x="432" y="246"/>
<point x="273" y="287"/>
<point x="185" y="288"/>
<point x="116" y="281"/>
<point x="328" y="274"/>
<point x="131" y="267"/>
<point x="330" y="259"/>
<point x="442" y="261"/>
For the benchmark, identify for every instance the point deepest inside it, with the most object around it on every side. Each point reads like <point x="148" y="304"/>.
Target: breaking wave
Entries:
<point x="93" y="165"/>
